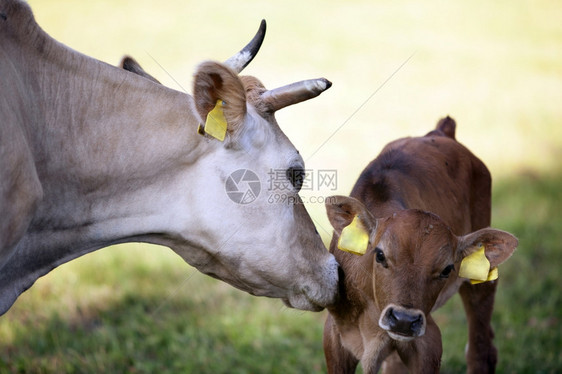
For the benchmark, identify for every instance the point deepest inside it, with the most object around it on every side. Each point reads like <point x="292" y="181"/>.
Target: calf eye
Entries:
<point x="445" y="273"/>
<point x="380" y="257"/>
<point x="296" y="176"/>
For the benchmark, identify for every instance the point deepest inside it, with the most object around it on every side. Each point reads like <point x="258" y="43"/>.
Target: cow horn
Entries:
<point x="240" y="60"/>
<point x="294" y="93"/>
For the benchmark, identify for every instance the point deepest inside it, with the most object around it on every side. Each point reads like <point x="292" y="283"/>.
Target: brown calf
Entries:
<point x="412" y="257"/>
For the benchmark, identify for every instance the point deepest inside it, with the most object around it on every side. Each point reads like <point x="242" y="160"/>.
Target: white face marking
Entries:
<point x="262" y="245"/>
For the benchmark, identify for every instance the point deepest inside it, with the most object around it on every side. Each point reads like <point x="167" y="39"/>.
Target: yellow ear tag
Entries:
<point x="215" y="125"/>
<point x="492" y="275"/>
<point x="475" y="266"/>
<point x="354" y="238"/>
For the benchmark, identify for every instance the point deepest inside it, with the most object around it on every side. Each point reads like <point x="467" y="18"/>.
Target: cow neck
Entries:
<point x="106" y="144"/>
<point x="113" y="152"/>
<point x="104" y="155"/>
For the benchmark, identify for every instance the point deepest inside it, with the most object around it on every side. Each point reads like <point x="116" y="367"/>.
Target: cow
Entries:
<point x="417" y="215"/>
<point x="93" y="155"/>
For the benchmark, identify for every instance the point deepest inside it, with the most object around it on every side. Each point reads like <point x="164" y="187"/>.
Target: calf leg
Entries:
<point x="394" y="365"/>
<point x="478" y="300"/>
<point x="338" y="359"/>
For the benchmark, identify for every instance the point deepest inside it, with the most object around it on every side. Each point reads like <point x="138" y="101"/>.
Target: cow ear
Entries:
<point x="219" y="94"/>
<point x="498" y="245"/>
<point x="130" y="64"/>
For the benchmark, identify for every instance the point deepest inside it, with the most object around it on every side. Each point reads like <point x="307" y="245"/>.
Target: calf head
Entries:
<point x="410" y="256"/>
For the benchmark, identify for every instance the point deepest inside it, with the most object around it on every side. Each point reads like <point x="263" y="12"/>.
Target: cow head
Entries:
<point x="238" y="230"/>
<point x="411" y="255"/>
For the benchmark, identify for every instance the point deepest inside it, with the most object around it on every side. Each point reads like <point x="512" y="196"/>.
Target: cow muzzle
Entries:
<point x="316" y="294"/>
<point x="403" y="324"/>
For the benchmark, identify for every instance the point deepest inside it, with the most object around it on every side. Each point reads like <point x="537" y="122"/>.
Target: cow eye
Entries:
<point x="445" y="273"/>
<point x="380" y="257"/>
<point x="296" y="174"/>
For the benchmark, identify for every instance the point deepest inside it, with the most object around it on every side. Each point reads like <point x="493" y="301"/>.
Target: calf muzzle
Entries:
<point x="402" y="323"/>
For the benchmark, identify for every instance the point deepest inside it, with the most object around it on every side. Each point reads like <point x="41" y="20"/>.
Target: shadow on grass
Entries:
<point x="210" y="327"/>
<point x="147" y="333"/>
<point x="528" y="311"/>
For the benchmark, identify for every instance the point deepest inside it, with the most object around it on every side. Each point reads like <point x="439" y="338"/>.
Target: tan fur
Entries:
<point x="92" y="155"/>
<point x="254" y="89"/>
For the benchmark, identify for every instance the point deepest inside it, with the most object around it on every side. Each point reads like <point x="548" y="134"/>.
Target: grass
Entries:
<point x="528" y="308"/>
<point x="140" y="309"/>
<point x="154" y="315"/>
<point x="493" y="66"/>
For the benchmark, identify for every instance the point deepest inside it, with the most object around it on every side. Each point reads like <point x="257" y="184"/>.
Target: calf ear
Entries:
<point x="217" y="87"/>
<point x="343" y="209"/>
<point x="498" y="245"/>
<point x="352" y="222"/>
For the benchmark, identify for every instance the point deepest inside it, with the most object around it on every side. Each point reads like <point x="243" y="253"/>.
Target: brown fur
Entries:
<point x="254" y="89"/>
<point x="214" y="81"/>
<point x="411" y="177"/>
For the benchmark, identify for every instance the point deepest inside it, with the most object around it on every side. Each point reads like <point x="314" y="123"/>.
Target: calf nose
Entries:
<point x="404" y="321"/>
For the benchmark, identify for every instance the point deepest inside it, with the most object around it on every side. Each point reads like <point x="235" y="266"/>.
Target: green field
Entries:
<point x="496" y="67"/>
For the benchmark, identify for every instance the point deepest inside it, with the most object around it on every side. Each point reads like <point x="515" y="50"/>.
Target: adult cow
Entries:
<point x="92" y="155"/>
<point x="417" y="212"/>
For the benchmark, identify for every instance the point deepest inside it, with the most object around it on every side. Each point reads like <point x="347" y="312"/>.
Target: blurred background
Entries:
<point x="397" y="68"/>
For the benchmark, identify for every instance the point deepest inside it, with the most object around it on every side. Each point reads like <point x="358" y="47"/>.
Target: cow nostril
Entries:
<point x="391" y="317"/>
<point x="417" y="324"/>
<point x="404" y="321"/>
